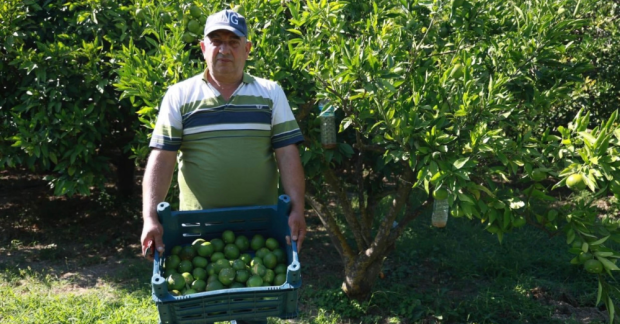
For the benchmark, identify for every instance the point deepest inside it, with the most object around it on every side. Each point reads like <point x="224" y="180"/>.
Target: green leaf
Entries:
<point x="151" y="41"/>
<point x="552" y="215"/>
<point x="502" y="158"/>
<point x="487" y="191"/>
<point x="458" y="164"/>
<point x="53" y="157"/>
<point x="506" y="220"/>
<point x="387" y="85"/>
<point x="295" y="31"/>
<point x="461" y="174"/>
<point x="600" y="292"/>
<point x="492" y="215"/>
<point x="519" y="11"/>
<point x="586" y="233"/>
<point x="145" y="110"/>
<point x="588" y="138"/>
<point x="607" y="264"/>
<point x="346" y="122"/>
<point x="611" y="120"/>
<point x="570" y="236"/>
<point x="460" y="113"/>
<point x="611" y="307"/>
<point x="600" y="241"/>
<point x="466" y="198"/>
<point x="346" y="149"/>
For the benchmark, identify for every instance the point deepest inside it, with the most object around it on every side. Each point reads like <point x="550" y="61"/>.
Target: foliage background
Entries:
<point x="76" y="56"/>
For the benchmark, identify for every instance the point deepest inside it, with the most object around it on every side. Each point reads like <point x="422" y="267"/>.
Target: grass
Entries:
<point x="28" y="296"/>
<point x="459" y="274"/>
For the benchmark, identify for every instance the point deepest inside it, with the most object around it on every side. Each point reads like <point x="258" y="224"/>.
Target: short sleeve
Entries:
<point x="285" y="130"/>
<point x="168" y="132"/>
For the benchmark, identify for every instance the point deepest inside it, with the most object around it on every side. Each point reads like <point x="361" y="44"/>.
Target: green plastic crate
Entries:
<point x="183" y="227"/>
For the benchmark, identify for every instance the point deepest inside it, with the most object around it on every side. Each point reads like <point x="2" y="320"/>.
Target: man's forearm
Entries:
<point x="156" y="181"/>
<point x="293" y="181"/>
<point x="292" y="176"/>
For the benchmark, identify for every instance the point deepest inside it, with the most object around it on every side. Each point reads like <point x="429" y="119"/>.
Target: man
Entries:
<point x="227" y="125"/>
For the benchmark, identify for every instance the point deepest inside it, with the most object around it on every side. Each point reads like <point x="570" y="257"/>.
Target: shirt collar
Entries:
<point x="247" y="79"/>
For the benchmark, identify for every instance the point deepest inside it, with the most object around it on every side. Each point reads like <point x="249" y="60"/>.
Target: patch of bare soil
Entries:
<point x="81" y="239"/>
<point x="83" y="272"/>
<point x="567" y="308"/>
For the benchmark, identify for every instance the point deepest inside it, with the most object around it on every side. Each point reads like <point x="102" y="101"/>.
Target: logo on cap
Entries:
<point x="227" y="20"/>
<point x="230" y="17"/>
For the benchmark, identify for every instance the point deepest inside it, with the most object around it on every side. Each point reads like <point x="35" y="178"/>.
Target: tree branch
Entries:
<point x="335" y="234"/>
<point x="410" y="215"/>
<point x="373" y="201"/>
<point x="359" y="169"/>
<point x="372" y="148"/>
<point x="381" y="241"/>
<point x="347" y="210"/>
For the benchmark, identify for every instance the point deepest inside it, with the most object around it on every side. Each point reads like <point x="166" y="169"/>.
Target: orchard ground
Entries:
<point x="459" y="274"/>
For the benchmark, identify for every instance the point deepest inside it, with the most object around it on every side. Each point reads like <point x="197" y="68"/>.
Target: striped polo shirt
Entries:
<point x="226" y="148"/>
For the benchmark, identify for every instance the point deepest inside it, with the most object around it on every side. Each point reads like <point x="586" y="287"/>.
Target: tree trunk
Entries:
<point x="125" y="175"/>
<point x="360" y="279"/>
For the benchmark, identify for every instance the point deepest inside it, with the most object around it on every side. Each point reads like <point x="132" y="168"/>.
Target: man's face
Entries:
<point x="225" y="53"/>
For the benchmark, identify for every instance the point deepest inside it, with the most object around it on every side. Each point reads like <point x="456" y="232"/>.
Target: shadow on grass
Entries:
<point x="85" y="240"/>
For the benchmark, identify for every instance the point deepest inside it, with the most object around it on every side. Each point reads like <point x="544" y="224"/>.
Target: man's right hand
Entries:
<point x="152" y="233"/>
<point x="155" y="184"/>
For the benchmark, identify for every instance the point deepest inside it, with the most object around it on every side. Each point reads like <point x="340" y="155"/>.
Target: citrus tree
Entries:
<point x="59" y="113"/>
<point x="434" y="98"/>
<point x="452" y="97"/>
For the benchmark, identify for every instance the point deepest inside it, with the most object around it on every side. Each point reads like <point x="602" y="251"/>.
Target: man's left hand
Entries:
<point x="297" y="223"/>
